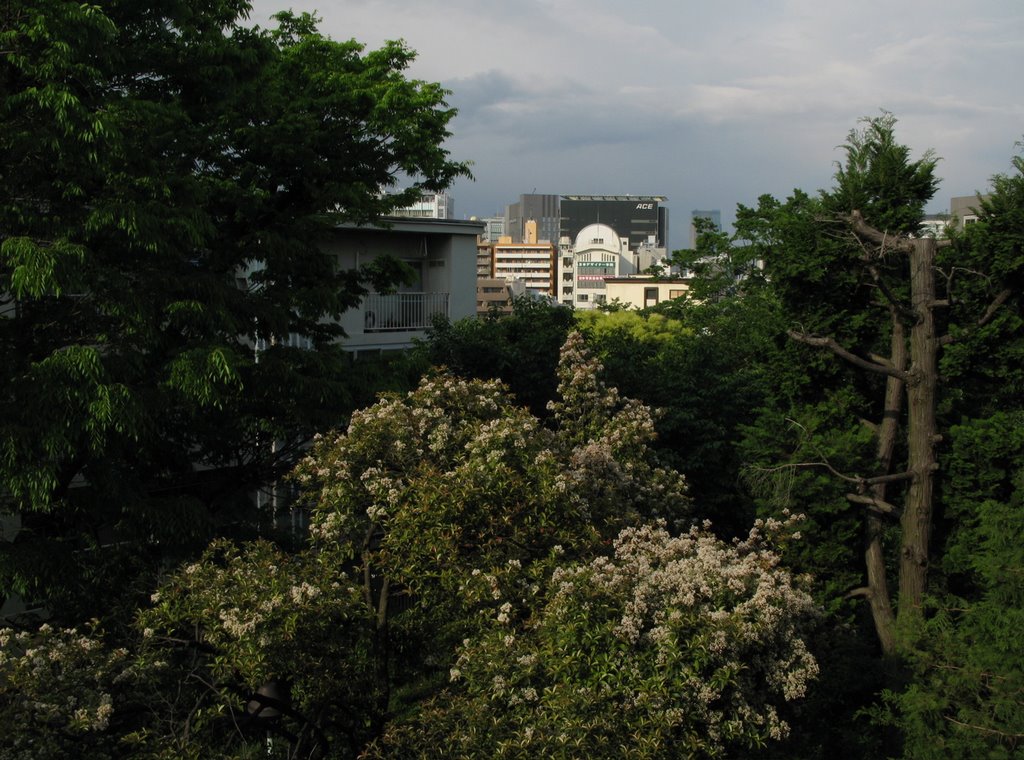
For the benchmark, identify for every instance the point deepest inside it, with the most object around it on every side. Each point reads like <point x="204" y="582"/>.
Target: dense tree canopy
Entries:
<point x="169" y="173"/>
<point x="507" y="559"/>
<point x="888" y="399"/>
<point x="454" y="536"/>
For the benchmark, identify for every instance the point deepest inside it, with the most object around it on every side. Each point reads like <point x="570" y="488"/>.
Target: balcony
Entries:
<point x="402" y="312"/>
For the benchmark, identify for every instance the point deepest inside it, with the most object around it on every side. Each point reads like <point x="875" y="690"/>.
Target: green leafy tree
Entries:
<point x="169" y="176"/>
<point x="239" y="624"/>
<point x="721" y="265"/>
<point x="520" y="349"/>
<point x="903" y="352"/>
<point x="451" y="485"/>
<point x="964" y="696"/>
<point x="673" y="646"/>
<point x="58" y="691"/>
<point x="703" y="366"/>
<point x="877" y="312"/>
<point x="455" y="477"/>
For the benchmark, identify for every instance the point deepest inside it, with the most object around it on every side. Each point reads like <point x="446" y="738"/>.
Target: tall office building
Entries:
<point x="536" y="207"/>
<point x="639" y="218"/>
<point x="714" y="215"/>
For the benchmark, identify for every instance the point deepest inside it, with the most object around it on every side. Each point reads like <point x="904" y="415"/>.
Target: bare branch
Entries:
<point x="803" y="465"/>
<point x="892" y="301"/>
<point x="877" y="505"/>
<point x="857" y="480"/>
<point x="983" y="729"/>
<point x="900" y="307"/>
<point x="984" y="319"/>
<point x="893" y="478"/>
<point x="830" y="343"/>
<point x="993" y="307"/>
<point x="864" y="230"/>
<point x="863" y="591"/>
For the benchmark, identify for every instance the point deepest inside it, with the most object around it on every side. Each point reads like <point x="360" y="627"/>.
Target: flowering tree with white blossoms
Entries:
<point x="244" y="617"/>
<point x="423" y="488"/>
<point x="678" y="646"/>
<point x="57" y="692"/>
<point x="458" y="597"/>
<point x="219" y="629"/>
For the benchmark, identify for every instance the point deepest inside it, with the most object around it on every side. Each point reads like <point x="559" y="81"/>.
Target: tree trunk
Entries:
<point x="874" y="556"/>
<point x="921" y="431"/>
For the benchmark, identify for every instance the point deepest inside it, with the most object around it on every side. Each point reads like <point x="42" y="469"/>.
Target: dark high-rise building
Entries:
<point x="638" y="217"/>
<point x="536" y="207"/>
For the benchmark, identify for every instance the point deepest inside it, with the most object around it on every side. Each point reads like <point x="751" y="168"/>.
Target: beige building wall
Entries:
<point x="963" y="209"/>
<point x="642" y="292"/>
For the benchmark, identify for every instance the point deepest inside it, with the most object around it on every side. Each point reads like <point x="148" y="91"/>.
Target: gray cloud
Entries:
<point x="710" y="104"/>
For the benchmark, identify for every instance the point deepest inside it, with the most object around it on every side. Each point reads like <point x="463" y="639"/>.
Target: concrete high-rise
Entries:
<point x="533" y="261"/>
<point x="540" y="208"/>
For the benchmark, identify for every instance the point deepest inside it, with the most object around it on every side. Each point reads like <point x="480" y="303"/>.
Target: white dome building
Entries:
<point x="597" y="254"/>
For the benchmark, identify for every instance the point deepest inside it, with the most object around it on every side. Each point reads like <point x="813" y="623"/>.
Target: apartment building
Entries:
<point x="533" y="262"/>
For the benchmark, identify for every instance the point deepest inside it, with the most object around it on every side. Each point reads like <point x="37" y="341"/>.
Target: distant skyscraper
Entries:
<point x="640" y="218"/>
<point x="536" y="207"/>
<point x="713" y="214"/>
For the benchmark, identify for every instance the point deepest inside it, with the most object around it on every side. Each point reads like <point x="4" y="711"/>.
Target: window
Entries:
<point x="582" y="297"/>
<point x="676" y="293"/>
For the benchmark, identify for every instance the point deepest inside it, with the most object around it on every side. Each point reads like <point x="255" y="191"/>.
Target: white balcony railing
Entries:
<point x="402" y="312"/>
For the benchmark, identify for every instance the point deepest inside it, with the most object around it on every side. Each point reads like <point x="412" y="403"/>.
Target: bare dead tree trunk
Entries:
<point x="918" y="384"/>
<point x="922" y="433"/>
<point x="874" y="555"/>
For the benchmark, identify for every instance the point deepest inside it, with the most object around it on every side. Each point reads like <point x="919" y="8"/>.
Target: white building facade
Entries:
<point x="597" y="255"/>
<point x="429" y="206"/>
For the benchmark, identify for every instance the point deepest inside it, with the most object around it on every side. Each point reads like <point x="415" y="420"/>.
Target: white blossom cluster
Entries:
<point x="252" y="604"/>
<point x="60" y="681"/>
<point x="456" y="470"/>
<point x="695" y="639"/>
<point x="364" y="472"/>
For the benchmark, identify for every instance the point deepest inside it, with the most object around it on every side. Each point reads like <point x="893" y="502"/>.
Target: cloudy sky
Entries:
<point x="708" y="103"/>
